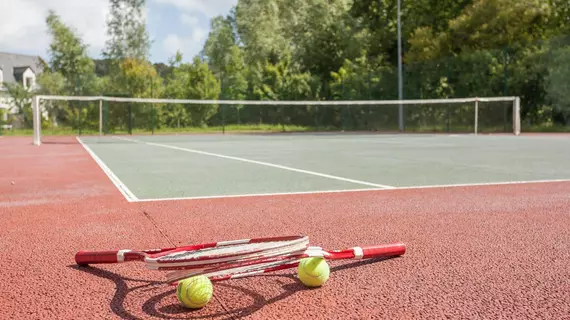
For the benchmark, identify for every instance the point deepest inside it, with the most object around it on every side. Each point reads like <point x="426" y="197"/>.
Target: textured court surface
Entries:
<point x="480" y="252"/>
<point x="154" y="167"/>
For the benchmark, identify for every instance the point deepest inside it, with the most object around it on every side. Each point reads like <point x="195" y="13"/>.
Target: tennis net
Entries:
<point x="101" y="115"/>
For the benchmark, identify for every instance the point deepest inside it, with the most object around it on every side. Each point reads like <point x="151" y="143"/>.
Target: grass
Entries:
<point x="229" y="128"/>
<point x="272" y="128"/>
<point x="545" y="128"/>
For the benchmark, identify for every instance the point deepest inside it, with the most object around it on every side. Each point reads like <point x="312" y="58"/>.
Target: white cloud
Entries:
<point x="23" y="28"/>
<point x="189" y="19"/>
<point x="199" y="34"/>
<point x="203" y="7"/>
<point x="189" y="46"/>
<point x="171" y="44"/>
<point x="196" y="15"/>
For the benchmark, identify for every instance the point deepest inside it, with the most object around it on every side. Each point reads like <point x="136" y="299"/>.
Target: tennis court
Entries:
<point x="473" y="211"/>
<point x="195" y="166"/>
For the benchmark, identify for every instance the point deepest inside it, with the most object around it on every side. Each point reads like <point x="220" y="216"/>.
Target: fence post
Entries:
<point x="152" y="110"/>
<point x="101" y="118"/>
<point x="222" y="106"/>
<point x="476" y="115"/>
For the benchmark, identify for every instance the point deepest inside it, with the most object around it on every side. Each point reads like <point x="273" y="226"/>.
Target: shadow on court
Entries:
<point x="154" y="307"/>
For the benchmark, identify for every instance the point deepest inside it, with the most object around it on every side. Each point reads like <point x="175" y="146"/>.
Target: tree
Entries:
<point x="259" y="27"/>
<point x="139" y="78"/>
<point x="68" y="57"/>
<point x="126" y="29"/>
<point x="234" y="78"/>
<point x="557" y="84"/>
<point x="22" y="102"/>
<point x="218" y="44"/>
<point x="53" y="83"/>
<point x="191" y="81"/>
<point x="486" y="24"/>
<point x="326" y="36"/>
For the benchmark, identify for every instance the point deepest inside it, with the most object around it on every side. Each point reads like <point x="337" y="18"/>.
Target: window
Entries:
<point x="29" y="82"/>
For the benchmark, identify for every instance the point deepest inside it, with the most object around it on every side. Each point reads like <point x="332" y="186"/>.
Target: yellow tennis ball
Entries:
<point x="313" y="272"/>
<point x="194" y="292"/>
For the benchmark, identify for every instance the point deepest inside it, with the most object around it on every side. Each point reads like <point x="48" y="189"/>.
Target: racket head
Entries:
<point x="238" y="270"/>
<point x="199" y="256"/>
<point x="269" y="263"/>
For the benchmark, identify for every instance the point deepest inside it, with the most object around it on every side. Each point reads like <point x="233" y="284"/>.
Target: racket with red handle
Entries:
<point x="199" y="255"/>
<point x="286" y="261"/>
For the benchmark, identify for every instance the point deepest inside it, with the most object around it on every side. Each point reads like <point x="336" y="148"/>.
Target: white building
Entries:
<point x="16" y="68"/>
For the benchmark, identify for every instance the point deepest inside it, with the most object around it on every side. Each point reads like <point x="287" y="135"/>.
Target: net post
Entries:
<point x="222" y="109"/>
<point x="130" y="118"/>
<point x="476" y="115"/>
<point x="36" y="120"/>
<point x="152" y="114"/>
<point x="517" y="116"/>
<point x="101" y="118"/>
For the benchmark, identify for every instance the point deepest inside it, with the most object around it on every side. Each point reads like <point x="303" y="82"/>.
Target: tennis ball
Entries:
<point x="313" y="272"/>
<point x="194" y="292"/>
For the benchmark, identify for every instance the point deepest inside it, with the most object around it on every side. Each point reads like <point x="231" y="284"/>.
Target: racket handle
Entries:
<point x="97" y="257"/>
<point x="388" y="250"/>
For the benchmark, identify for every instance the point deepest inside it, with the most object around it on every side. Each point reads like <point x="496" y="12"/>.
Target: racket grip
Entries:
<point x="388" y="250"/>
<point x="96" y="257"/>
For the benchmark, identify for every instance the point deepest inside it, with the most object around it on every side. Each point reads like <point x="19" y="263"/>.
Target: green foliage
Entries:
<point x="126" y="29"/>
<point x="358" y="80"/>
<point x="486" y="24"/>
<point x="235" y="76"/>
<point x="54" y="83"/>
<point x="282" y="81"/>
<point x="323" y="49"/>
<point x="217" y="48"/>
<point x="191" y="81"/>
<point x="22" y="103"/>
<point x="139" y="78"/>
<point x="68" y="57"/>
<point x="558" y="84"/>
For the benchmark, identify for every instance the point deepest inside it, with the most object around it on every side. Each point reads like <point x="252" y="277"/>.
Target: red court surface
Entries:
<point x="485" y="252"/>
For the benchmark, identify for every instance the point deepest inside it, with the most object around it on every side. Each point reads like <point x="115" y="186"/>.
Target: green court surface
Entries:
<point x="194" y="166"/>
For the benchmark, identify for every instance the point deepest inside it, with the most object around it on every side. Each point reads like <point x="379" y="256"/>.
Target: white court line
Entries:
<point x="394" y="189"/>
<point x="260" y="163"/>
<point x="116" y="181"/>
<point x="260" y="195"/>
<point x="479" y="184"/>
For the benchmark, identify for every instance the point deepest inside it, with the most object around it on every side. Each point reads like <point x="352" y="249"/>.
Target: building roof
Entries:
<point x="13" y="65"/>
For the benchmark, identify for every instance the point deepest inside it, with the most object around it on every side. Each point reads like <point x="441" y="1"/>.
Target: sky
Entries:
<point x="172" y="24"/>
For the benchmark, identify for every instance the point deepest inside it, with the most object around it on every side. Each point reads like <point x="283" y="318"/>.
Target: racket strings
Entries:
<point x="236" y="270"/>
<point x="252" y="258"/>
<point x="277" y="259"/>
<point x="234" y="250"/>
<point x="203" y="259"/>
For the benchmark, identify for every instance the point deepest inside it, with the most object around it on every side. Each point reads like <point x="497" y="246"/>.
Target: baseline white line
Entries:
<point x="116" y="181"/>
<point x="394" y="189"/>
<point x="260" y="194"/>
<point x="260" y="163"/>
<point x="479" y="184"/>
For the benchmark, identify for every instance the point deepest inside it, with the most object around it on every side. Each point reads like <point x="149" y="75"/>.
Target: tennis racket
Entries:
<point x="199" y="256"/>
<point x="240" y="269"/>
